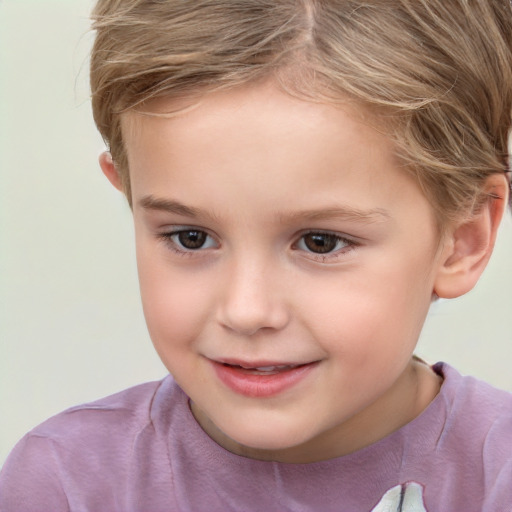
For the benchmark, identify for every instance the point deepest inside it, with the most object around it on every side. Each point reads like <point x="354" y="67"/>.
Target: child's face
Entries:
<point x="278" y="234"/>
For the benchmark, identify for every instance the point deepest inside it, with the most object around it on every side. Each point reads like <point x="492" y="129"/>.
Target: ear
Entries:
<point x="109" y="170"/>
<point x="468" y="245"/>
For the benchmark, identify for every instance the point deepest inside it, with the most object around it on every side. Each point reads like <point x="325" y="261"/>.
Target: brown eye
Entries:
<point x="192" y="239"/>
<point x="321" y="243"/>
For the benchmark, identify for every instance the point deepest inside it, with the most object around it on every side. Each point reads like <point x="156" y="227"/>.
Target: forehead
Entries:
<point x="260" y="110"/>
<point x="262" y="97"/>
<point x="260" y="142"/>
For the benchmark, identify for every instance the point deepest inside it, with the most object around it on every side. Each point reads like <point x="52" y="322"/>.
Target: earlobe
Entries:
<point x="110" y="171"/>
<point x="469" y="244"/>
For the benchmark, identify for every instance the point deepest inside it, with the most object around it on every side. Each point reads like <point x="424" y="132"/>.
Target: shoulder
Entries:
<point x="460" y="448"/>
<point x="87" y="447"/>
<point x="91" y="421"/>
<point x="113" y="421"/>
<point x="479" y="427"/>
<point x="474" y="401"/>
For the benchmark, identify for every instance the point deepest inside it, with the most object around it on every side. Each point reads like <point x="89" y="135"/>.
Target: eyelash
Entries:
<point x="332" y="255"/>
<point x="348" y="244"/>
<point x="168" y="239"/>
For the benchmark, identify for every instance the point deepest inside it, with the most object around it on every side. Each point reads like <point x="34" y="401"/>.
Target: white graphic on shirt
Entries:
<point x="402" y="498"/>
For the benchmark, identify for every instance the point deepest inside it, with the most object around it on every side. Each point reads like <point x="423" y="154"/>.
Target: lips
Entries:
<point x="263" y="370"/>
<point x="260" y="380"/>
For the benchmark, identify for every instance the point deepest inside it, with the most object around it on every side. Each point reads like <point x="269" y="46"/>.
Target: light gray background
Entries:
<point x="71" y="327"/>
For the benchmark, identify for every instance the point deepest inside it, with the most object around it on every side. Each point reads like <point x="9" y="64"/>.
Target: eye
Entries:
<point x="322" y="243"/>
<point x="185" y="240"/>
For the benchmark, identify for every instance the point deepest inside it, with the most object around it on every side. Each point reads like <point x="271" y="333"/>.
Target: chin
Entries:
<point x="268" y="437"/>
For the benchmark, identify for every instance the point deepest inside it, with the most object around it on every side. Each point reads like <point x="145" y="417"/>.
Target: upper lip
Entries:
<point x="263" y="363"/>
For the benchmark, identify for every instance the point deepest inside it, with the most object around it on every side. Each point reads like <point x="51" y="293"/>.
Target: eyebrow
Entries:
<point x="170" y="206"/>
<point x="340" y="212"/>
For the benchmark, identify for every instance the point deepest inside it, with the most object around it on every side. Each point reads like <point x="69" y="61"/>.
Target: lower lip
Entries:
<point x="261" y="386"/>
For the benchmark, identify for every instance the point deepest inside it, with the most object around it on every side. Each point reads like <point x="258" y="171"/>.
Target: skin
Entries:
<point x="257" y="171"/>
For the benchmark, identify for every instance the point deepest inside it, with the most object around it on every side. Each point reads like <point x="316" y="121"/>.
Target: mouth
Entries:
<point x="264" y="370"/>
<point x="261" y="379"/>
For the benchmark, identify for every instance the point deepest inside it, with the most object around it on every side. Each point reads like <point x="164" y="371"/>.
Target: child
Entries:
<point x="306" y="177"/>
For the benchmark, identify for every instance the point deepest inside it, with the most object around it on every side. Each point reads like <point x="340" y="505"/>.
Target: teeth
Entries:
<point x="274" y="368"/>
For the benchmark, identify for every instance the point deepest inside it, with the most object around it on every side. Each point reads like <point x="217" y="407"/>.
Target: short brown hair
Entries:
<point x="439" y="71"/>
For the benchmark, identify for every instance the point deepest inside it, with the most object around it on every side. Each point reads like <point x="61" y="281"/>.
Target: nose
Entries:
<point x="252" y="300"/>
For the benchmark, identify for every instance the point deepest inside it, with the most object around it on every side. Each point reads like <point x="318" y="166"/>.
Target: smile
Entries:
<point x="264" y="370"/>
<point x="261" y="381"/>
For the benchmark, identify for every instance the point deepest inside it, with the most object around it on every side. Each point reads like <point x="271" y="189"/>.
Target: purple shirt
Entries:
<point x="141" y="450"/>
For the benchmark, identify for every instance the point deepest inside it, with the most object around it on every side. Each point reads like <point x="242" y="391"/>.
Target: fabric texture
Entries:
<point x="141" y="450"/>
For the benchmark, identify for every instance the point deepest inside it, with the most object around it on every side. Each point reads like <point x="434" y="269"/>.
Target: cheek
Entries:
<point x="174" y="302"/>
<point x="370" y="318"/>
